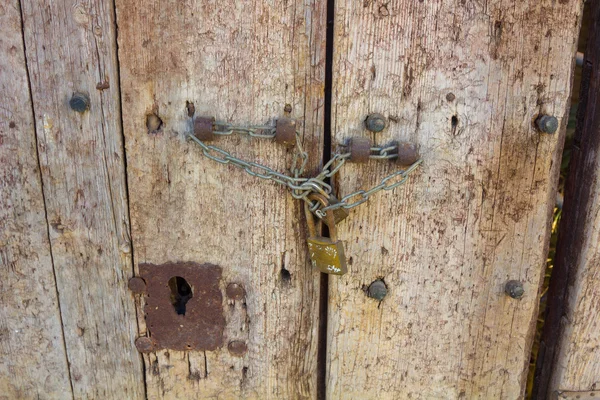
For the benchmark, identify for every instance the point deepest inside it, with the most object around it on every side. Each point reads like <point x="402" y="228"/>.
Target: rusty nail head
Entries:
<point x="377" y="290"/>
<point x="80" y="102"/>
<point x="514" y="289"/>
<point x="144" y="344"/>
<point x="237" y="348"/>
<point x="137" y="285"/>
<point x="547" y="123"/>
<point x="235" y="291"/>
<point x="360" y="149"/>
<point x="375" y="122"/>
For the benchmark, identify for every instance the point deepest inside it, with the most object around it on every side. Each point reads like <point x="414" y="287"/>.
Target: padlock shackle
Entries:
<point x="310" y="221"/>
<point x="329" y="218"/>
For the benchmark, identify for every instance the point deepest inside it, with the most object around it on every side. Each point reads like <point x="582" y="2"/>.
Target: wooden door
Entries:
<point x="92" y="197"/>
<point x="464" y="81"/>
<point x="242" y="63"/>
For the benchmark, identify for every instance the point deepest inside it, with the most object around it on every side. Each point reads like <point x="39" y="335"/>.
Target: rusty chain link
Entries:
<point x="301" y="187"/>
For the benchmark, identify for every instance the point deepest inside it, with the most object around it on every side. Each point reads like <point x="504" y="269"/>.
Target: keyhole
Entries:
<point x="181" y="293"/>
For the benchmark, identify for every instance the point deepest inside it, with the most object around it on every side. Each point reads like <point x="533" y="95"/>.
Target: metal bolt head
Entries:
<point x="235" y="291"/>
<point x="80" y="102"/>
<point x="377" y="290"/>
<point x="514" y="289"/>
<point x="375" y="122"/>
<point x="547" y="123"/>
<point x="144" y="344"/>
<point x="137" y="285"/>
<point x="237" y="348"/>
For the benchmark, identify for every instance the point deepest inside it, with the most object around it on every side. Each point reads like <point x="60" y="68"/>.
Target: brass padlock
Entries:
<point x="339" y="214"/>
<point x="326" y="253"/>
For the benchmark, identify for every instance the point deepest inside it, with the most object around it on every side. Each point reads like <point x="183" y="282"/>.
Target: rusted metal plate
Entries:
<point x="184" y="306"/>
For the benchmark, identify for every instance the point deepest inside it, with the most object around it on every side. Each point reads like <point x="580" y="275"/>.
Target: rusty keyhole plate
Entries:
<point x="201" y="327"/>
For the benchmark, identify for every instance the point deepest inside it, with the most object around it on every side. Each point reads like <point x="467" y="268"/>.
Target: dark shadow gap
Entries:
<point x="554" y="287"/>
<point x="327" y="136"/>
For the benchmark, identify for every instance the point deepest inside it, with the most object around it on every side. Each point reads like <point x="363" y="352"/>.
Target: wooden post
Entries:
<point x="569" y="358"/>
<point x="71" y="48"/>
<point x="32" y="347"/>
<point x="464" y="81"/>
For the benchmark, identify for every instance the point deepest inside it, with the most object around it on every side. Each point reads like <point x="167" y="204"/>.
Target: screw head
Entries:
<point x="547" y="123"/>
<point x="377" y="290"/>
<point x="375" y="122"/>
<point x="137" y="285"/>
<point x="514" y="289"/>
<point x="80" y="102"/>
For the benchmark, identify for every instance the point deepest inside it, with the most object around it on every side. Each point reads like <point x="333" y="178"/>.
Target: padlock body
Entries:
<point x="327" y="255"/>
<point x="339" y="214"/>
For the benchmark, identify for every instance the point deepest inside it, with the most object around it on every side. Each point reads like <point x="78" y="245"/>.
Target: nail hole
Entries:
<point x="191" y="109"/>
<point x="285" y="275"/>
<point x="181" y="293"/>
<point x="153" y="123"/>
<point x="454" y="121"/>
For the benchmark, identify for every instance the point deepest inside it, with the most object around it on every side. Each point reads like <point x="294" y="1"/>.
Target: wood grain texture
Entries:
<point x="32" y="352"/>
<point x="576" y="365"/>
<point x="240" y="62"/>
<point x="71" y="47"/>
<point x="463" y="80"/>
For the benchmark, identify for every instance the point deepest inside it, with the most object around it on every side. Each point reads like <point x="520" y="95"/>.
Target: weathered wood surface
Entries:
<point x="464" y="80"/>
<point x="241" y="62"/>
<point x="576" y="362"/>
<point x="32" y="353"/>
<point x="71" y="47"/>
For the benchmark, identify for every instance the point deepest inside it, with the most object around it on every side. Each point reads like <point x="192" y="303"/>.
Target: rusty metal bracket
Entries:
<point x="184" y="307"/>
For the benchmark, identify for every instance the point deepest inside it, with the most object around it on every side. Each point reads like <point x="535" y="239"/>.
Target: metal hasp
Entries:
<point x="183" y="306"/>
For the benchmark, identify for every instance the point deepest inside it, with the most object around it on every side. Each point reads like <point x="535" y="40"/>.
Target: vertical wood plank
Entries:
<point x="71" y="47"/>
<point x="241" y="62"/>
<point x="463" y="80"/>
<point x="571" y="342"/>
<point x="33" y="357"/>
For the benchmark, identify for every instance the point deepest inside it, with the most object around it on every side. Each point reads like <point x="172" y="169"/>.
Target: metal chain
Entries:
<point x="379" y="153"/>
<point x="302" y="187"/>
<point x="257" y="131"/>
<point x="365" y="194"/>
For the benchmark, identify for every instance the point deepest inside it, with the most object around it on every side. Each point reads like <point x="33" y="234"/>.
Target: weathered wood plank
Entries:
<point x="576" y="362"/>
<point x="464" y="80"/>
<point x="241" y="62"/>
<point x="71" y="47"/>
<point x="33" y="357"/>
